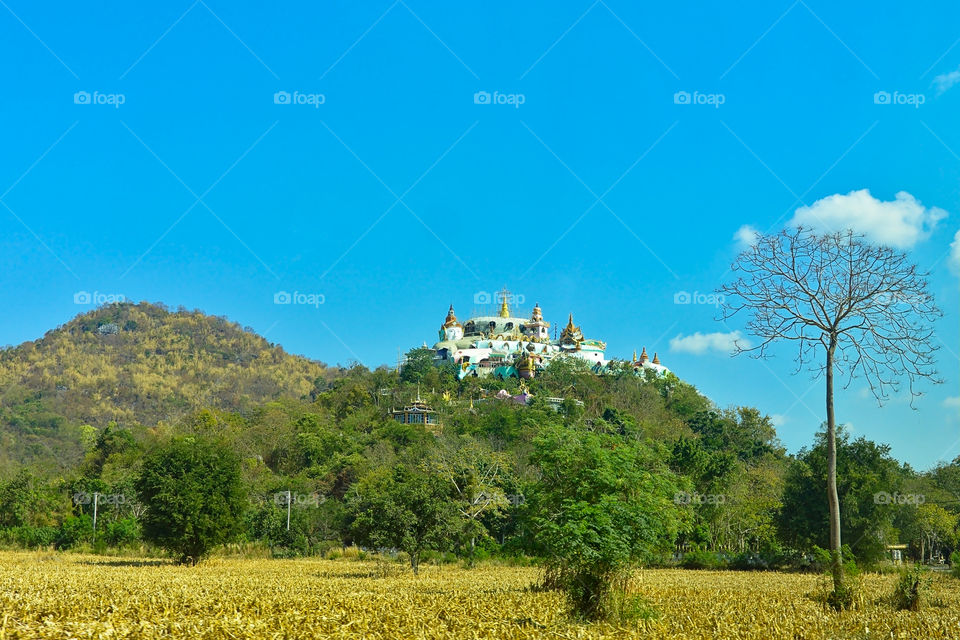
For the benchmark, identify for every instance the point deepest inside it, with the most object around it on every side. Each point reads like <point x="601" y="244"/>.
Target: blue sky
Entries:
<point x="389" y="158"/>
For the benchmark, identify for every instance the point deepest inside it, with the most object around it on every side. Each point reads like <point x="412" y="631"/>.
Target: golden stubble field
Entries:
<point x="49" y="595"/>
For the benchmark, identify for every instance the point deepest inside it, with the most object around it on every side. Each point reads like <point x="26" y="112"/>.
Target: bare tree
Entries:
<point x="851" y="307"/>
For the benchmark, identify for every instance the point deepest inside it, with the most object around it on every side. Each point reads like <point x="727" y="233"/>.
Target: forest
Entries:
<point x="82" y="408"/>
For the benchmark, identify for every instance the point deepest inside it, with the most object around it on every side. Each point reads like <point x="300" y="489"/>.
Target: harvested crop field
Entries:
<point x="50" y="595"/>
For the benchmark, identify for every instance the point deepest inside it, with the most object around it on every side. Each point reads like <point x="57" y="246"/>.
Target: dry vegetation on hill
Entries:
<point x="136" y="364"/>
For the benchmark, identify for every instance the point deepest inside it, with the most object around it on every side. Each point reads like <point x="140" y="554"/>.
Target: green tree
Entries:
<point x="602" y="506"/>
<point x="417" y="364"/>
<point x="934" y="530"/>
<point x="866" y="473"/>
<point x="406" y="510"/>
<point x="194" y="497"/>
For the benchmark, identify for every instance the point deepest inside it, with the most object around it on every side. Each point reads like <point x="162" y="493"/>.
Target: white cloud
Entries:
<point x="778" y="420"/>
<point x="745" y="236"/>
<point x="946" y="80"/>
<point x="952" y="403"/>
<point x="700" y="343"/>
<point x="900" y="223"/>
<point x="955" y="253"/>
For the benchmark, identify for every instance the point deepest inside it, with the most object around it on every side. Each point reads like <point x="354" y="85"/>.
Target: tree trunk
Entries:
<point x="415" y="563"/>
<point x="833" y="501"/>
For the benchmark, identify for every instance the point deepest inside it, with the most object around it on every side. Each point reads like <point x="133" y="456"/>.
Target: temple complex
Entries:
<point x="507" y="345"/>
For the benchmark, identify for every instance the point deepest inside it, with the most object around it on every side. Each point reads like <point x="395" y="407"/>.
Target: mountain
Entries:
<point x="135" y="364"/>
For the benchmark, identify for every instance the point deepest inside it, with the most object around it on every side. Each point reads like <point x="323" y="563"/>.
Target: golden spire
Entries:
<point x="643" y="355"/>
<point x="537" y="315"/>
<point x="656" y="360"/>
<point x="451" y="320"/>
<point x="634" y="355"/>
<point x="504" y="306"/>
<point x="571" y="334"/>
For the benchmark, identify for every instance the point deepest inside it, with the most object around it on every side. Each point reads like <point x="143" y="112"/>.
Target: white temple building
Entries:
<point x="506" y="345"/>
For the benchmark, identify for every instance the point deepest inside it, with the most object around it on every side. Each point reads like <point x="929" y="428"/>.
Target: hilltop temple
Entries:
<point x="505" y="345"/>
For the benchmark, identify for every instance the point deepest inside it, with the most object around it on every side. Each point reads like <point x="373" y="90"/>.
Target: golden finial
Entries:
<point x="451" y="320"/>
<point x="643" y="355"/>
<point x="537" y="315"/>
<point x="504" y="306"/>
<point x="634" y="356"/>
<point x="656" y="360"/>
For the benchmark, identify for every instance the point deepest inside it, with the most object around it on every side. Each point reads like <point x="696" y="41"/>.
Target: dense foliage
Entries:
<point x="499" y="477"/>
<point x="194" y="497"/>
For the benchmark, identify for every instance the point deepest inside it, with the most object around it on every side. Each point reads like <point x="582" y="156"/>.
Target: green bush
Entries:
<point x="955" y="564"/>
<point x="911" y="590"/>
<point x="29" y="537"/>
<point x="750" y="561"/>
<point x="121" y="533"/>
<point x="194" y="495"/>
<point x="703" y="560"/>
<point x="603" y="507"/>
<point x="819" y="560"/>
<point x="74" y="530"/>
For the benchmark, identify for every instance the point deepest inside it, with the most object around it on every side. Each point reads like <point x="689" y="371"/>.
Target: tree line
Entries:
<point x="702" y="485"/>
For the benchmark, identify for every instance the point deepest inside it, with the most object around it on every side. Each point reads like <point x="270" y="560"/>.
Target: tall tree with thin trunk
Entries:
<point x="853" y="309"/>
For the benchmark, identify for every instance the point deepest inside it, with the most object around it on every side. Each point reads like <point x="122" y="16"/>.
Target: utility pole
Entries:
<point x="288" y="510"/>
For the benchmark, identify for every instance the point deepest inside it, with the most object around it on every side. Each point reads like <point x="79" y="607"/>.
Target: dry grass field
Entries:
<point x="50" y="595"/>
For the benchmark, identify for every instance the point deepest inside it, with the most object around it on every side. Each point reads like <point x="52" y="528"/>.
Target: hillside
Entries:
<point x="135" y="364"/>
<point x="330" y="438"/>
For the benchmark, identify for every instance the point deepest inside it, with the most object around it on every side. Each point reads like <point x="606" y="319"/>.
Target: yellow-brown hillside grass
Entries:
<point x="53" y="595"/>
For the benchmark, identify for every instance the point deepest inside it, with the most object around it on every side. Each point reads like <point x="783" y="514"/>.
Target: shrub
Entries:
<point x="750" y="561"/>
<point x="849" y="595"/>
<point x="955" y="564"/>
<point x="122" y="533"/>
<point x="74" y="530"/>
<point x="599" y="512"/>
<point x="911" y="590"/>
<point x="702" y="560"/>
<point x="29" y="537"/>
<point x="194" y="496"/>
